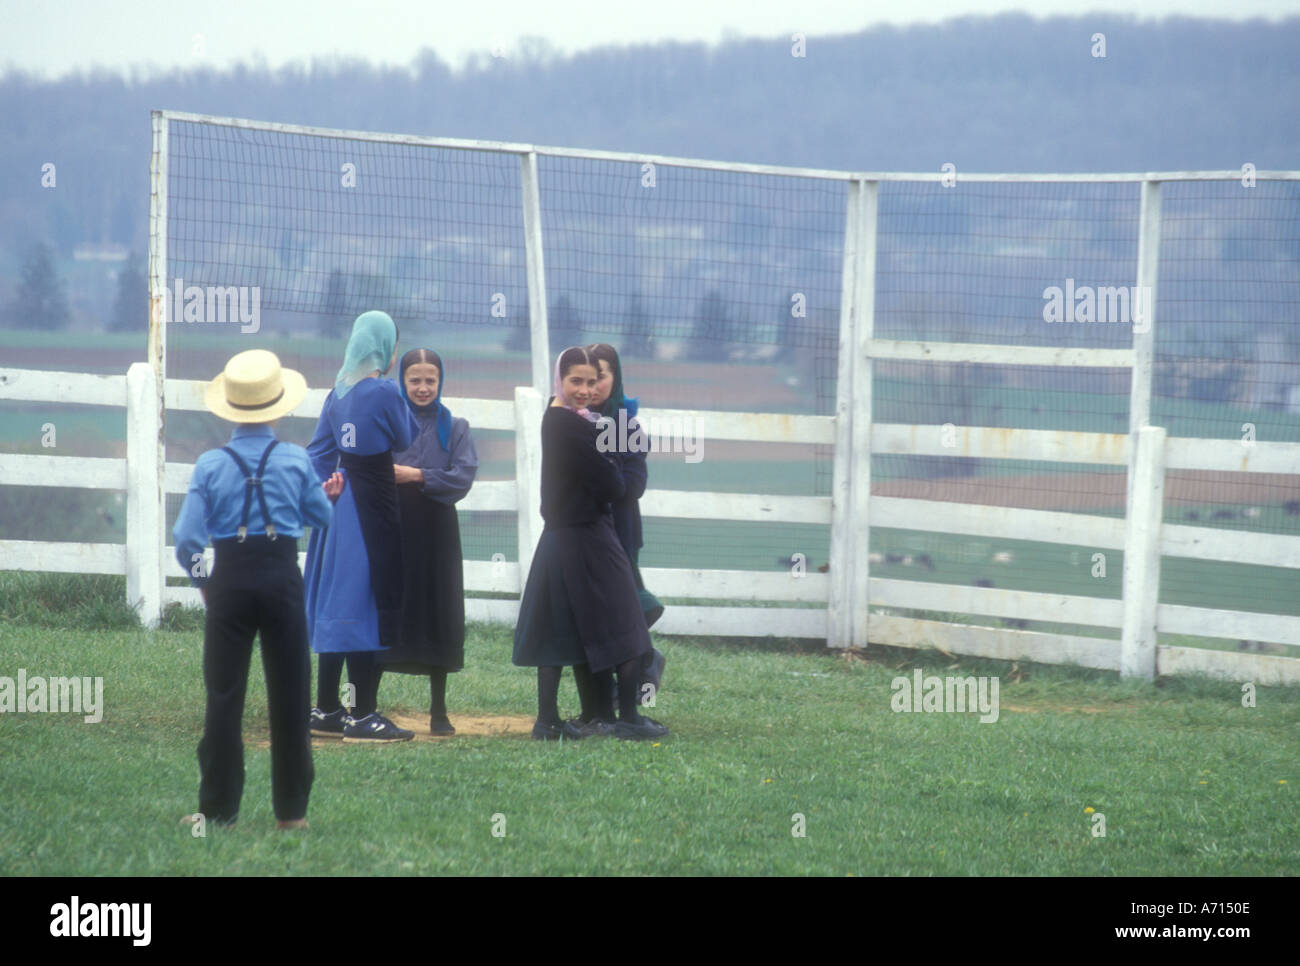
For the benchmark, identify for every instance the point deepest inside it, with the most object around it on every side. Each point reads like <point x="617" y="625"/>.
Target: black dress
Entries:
<point x="580" y="602"/>
<point x="431" y="633"/>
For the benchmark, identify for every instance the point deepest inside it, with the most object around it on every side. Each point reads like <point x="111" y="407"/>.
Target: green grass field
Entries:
<point x="1189" y="781"/>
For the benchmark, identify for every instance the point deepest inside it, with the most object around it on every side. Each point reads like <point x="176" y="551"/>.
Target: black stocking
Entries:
<point x="438" y="694"/>
<point x="327" y="682"/>
<point x="629" y="689"/>
<point x="604" y="691"/>
<point x="548" y="695"/>
<point x="588" y="695"/>
<point x="364" y="671"/>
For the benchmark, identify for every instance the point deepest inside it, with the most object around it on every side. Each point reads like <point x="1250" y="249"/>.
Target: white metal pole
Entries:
<point x="157" y="354"/>
<point x="1144" y="329"/>
<point x="536" y="269"/>
<point x="864" y="307"/>
<point x="839" y="610"/>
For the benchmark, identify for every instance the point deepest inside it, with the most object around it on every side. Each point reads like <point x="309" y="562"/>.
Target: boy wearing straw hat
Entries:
<point x="252" y="498"/>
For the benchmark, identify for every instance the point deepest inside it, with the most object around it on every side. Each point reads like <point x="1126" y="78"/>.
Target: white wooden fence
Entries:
<point x="849" y="590"/>
<point x="146" y="560"/>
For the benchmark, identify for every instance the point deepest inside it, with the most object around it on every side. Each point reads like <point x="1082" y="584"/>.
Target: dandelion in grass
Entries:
<point x="1087" y="811"/>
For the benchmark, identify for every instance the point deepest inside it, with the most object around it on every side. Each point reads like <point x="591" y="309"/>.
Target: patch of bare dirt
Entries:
<point x="465" y="724"/>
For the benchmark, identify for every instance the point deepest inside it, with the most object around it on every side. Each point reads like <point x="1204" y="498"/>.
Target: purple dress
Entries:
<point x="431" y="633"/>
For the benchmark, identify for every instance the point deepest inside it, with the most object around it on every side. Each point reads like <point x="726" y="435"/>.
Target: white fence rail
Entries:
<point x="146" y="560"/>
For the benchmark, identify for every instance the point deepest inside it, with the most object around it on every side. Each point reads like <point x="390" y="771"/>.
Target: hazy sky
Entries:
<point x="54" y="37"/>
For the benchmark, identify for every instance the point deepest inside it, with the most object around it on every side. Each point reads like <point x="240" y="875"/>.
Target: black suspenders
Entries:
<point x="251" y="483"/>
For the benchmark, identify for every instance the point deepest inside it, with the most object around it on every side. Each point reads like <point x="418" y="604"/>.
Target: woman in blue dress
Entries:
<point x="354" y="567"/>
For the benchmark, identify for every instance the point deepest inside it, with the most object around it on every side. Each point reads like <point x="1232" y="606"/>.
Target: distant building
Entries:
<point x="99" y="252"/>
<point x="1273" y="381"/>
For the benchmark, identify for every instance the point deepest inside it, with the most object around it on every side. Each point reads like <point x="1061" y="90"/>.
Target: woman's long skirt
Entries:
<point x="580" y="603"/>
<point x="431" y="632"/>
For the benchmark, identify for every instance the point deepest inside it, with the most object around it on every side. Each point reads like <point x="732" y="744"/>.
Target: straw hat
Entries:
<point x="255" y="388"/>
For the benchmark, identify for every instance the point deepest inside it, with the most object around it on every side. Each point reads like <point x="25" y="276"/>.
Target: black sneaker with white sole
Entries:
<point x="328" y="725"/>
<point x="374" y="727"/>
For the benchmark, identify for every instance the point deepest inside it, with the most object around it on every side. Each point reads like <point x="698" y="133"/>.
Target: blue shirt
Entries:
<point x="215" y="501"/>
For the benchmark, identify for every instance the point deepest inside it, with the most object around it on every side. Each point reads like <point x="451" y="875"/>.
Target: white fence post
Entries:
<point x="539" y="338"/>
<point x="848" y="610"/>
<point x="529" y="405"/>
<point x="1142" y="552"/>
<point x="144" y="496"/>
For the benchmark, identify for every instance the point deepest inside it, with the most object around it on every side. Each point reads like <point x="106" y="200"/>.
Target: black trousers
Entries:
<point x="256" y="587"/>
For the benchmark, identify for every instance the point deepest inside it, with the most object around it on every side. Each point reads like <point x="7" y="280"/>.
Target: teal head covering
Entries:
<point x="371" y="347"/>
<point x="618" y="399"/>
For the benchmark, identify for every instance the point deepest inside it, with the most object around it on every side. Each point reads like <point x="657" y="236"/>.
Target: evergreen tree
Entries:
<point x="335" y="319"/>
<point x="638" y="342"/>
<point x="519" y="336"/>
<point x="124" y="219"/>
<point x="712" y="332"/>
<point x="788" y="324"/>
<point x="131" y="309"/>
<point x="565" y="325"/>
<point x="40" y="302"/>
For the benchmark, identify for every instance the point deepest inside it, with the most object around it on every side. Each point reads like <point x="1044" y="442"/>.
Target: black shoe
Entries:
<point x="576" y="729"/>
<point x="440" y="726"/>
<point x="374" y="727"/>
<point x="329" y="725"/>
<point x="640" y="728"/>
<point x="548" y="732"/>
